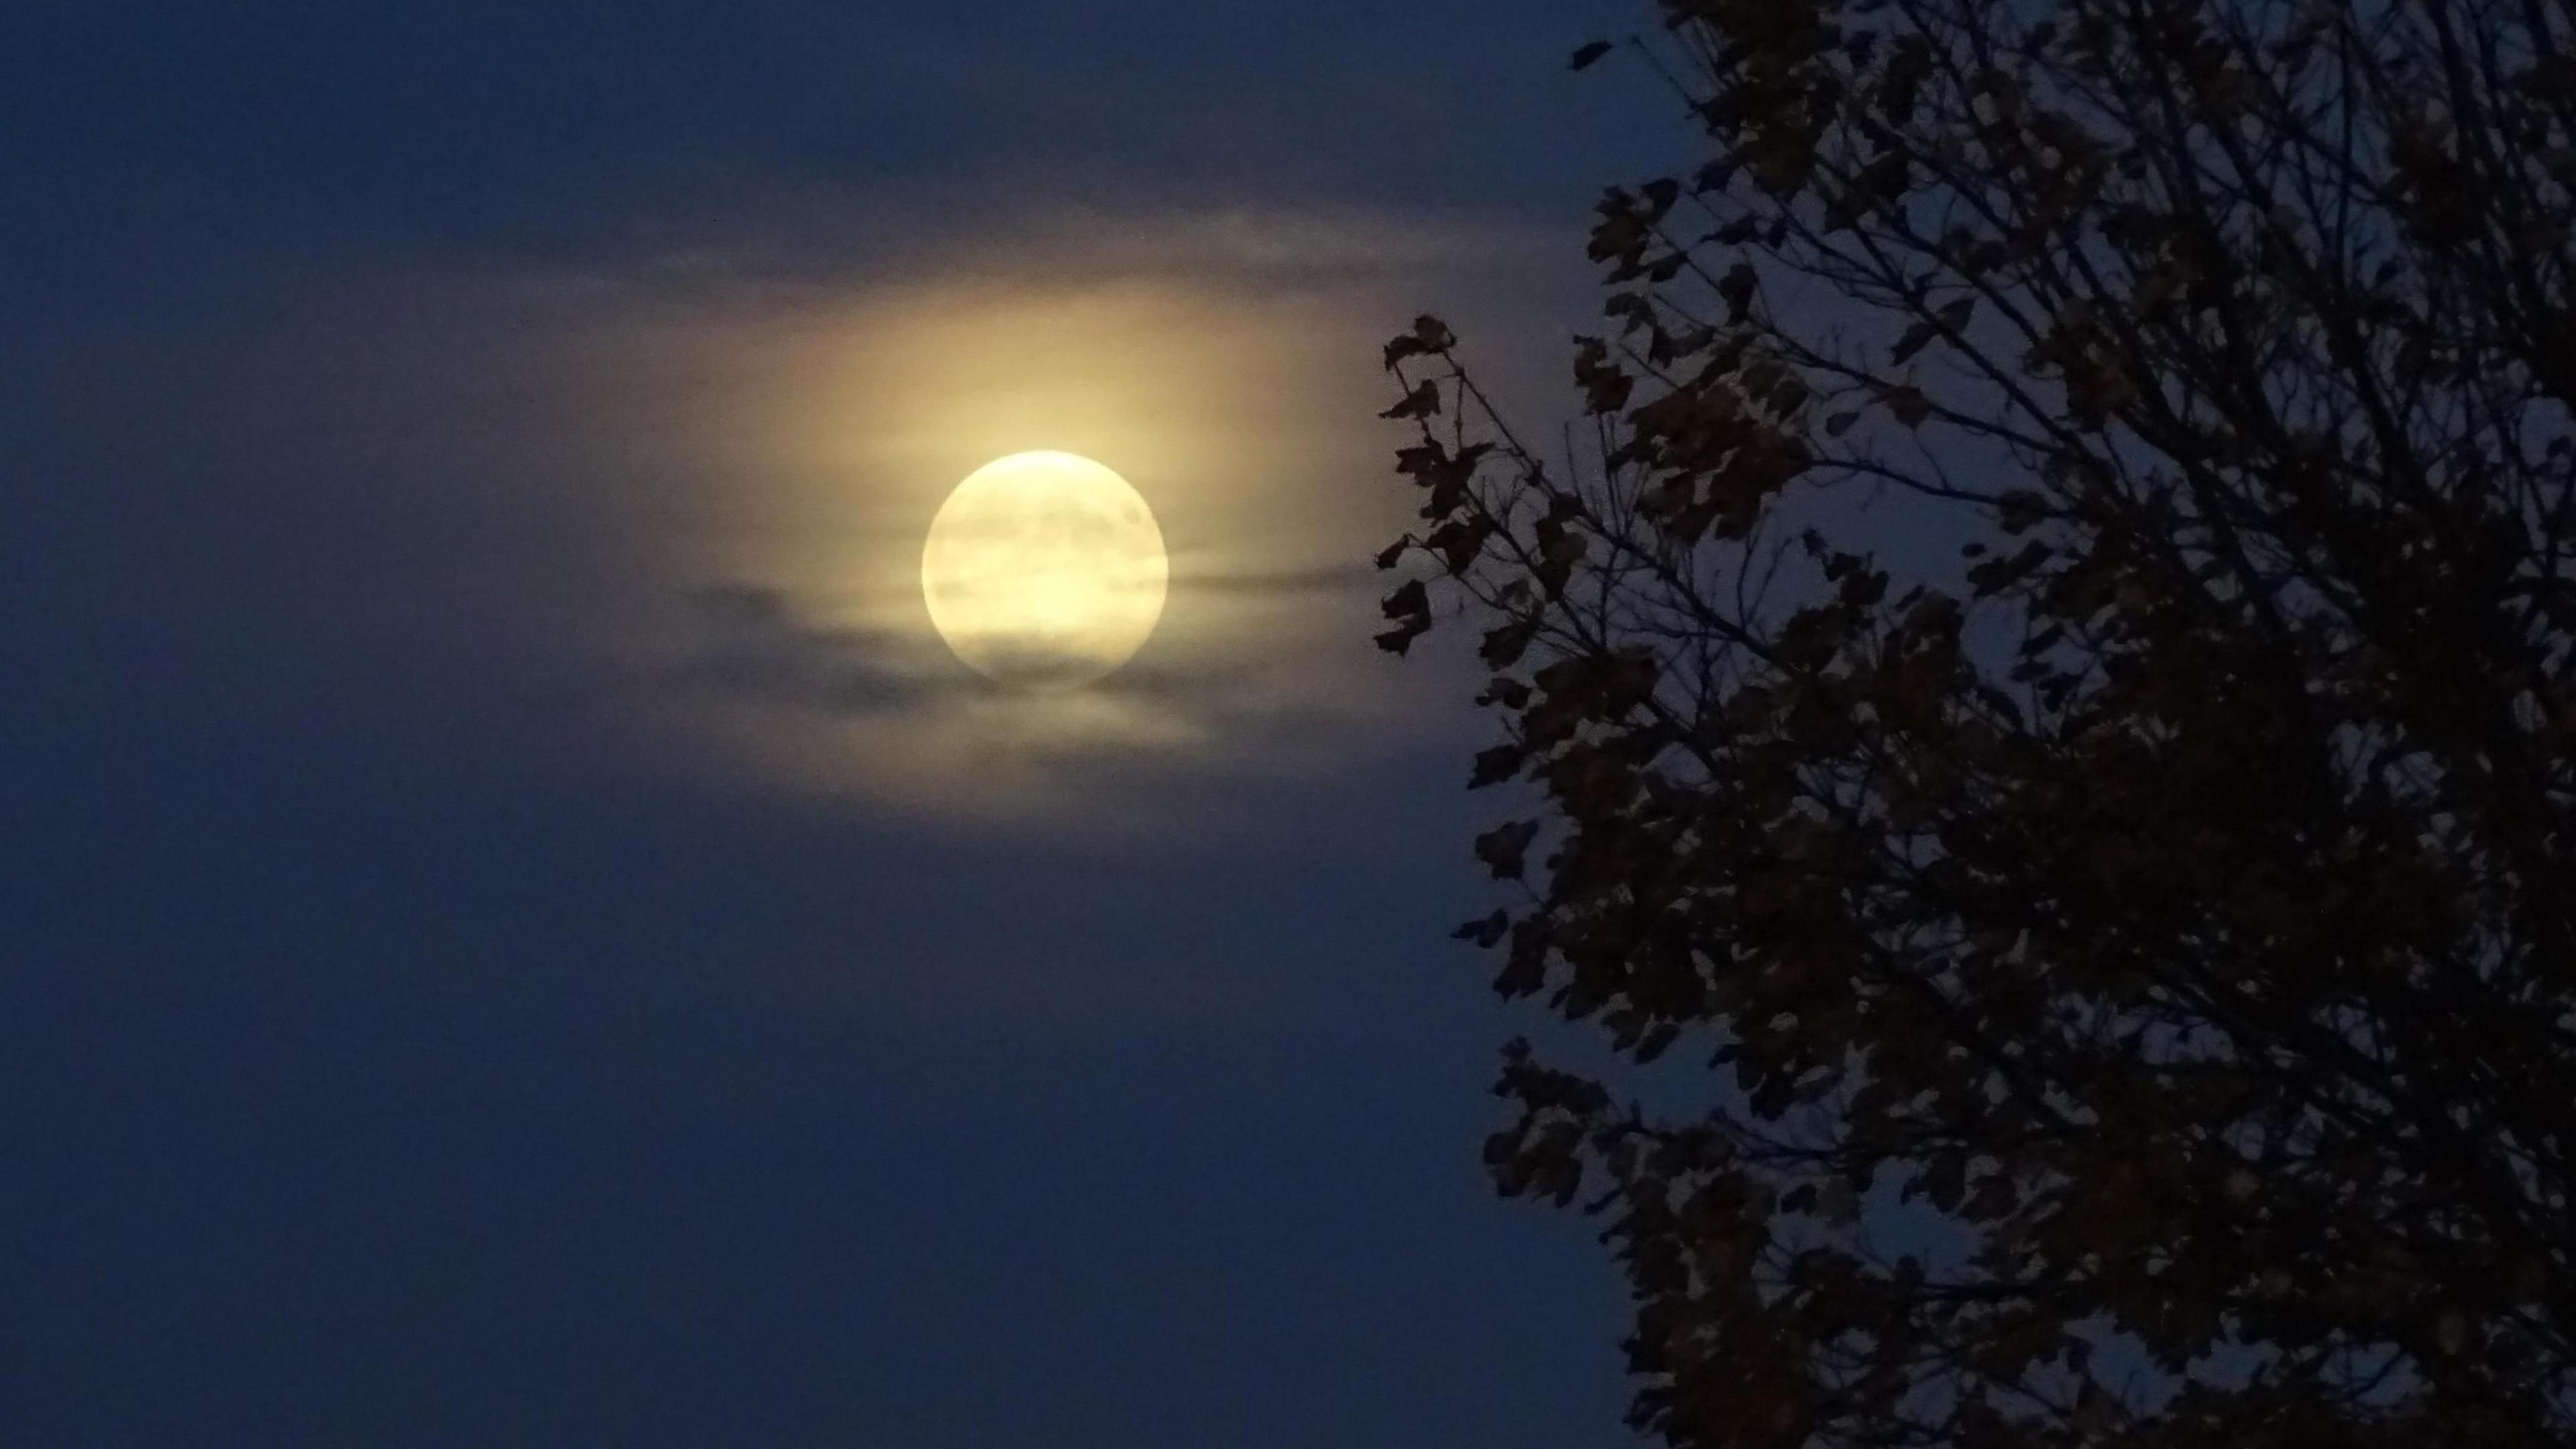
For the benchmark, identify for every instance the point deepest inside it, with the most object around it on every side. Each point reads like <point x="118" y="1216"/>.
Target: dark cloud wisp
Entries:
<point x="754" y="643"/>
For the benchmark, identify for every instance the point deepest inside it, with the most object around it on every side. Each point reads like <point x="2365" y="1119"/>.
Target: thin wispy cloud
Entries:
<point x="888" y="713"/>
<point x="751" y="643"/>
<point x="766" y="232"/>
<point x="1353" y="578"/>
<point x="758" y="645"/>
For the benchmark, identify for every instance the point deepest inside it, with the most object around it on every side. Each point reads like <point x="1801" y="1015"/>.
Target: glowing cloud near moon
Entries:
<point x="1044" y="570"/>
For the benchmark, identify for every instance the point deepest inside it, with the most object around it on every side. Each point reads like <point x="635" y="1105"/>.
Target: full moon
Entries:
<point x="1044" y="570"/>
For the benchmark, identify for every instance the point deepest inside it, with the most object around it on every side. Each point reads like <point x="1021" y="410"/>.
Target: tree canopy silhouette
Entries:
<point x="2135" y="963"/>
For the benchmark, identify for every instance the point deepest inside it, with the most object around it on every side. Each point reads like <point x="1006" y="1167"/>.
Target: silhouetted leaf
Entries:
<point x="1495" y="765"/>
<point x="1409" y="598"/>
<point x="1422" y="402"/>
<point x="1504" y="643"/>
<point x="1429" y="336"/>
<point x="1502" y="847"/>
<point x="1400" y="638"/>
<point x="1736" y="288"/>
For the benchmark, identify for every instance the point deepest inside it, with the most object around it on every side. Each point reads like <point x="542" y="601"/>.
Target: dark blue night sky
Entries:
<point x="439" y="1007"/>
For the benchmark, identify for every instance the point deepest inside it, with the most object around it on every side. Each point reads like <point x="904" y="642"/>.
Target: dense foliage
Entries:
<point x="2136" y="962"/>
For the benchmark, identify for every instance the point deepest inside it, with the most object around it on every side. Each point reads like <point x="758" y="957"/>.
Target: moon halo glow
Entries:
<point x="1044" y="570"/>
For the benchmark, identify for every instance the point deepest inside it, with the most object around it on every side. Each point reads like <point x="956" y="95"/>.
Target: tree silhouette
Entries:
<point x="2133" y="962"/>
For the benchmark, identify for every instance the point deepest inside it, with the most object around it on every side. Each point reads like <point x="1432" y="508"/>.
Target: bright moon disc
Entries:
<point x="1044" y="570"/>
